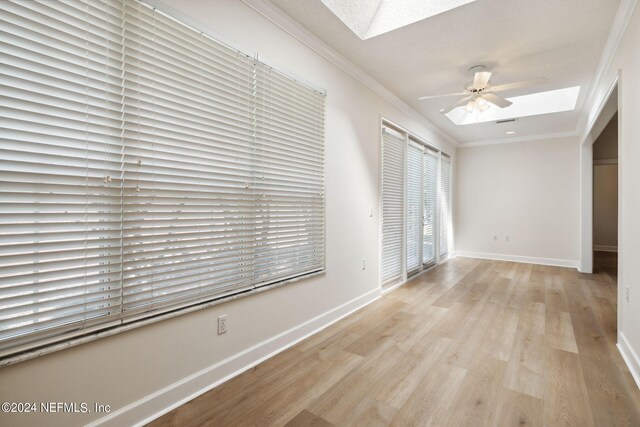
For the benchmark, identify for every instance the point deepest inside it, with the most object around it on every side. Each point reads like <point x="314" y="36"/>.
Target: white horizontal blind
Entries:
<point x="430" y="197"/>
<point x="445" y="204"/>
<point x="288" y="181"/>
<point x="60" y="188"/>
<point x="188" y="155"/>
<point x="414" y="207"/>
<point x="145" y="167"/>
<point x="393" y="192"/>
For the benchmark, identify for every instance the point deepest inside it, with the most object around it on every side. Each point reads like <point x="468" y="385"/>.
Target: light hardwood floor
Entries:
<point x="470" y="343"/>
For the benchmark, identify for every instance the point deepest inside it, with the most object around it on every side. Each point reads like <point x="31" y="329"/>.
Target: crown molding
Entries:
<point x="517" y="139"/>
<point x="593" y="104"/>
<point x="602" y="86"/>
<point x="599" y="91"/>
<point x="297" y="31"/>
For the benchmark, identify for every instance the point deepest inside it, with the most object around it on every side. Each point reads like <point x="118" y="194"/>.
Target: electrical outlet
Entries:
<point x="507" y="238"/>
<point x="626" y="293"/>
<point x="364" y="264"/>
<point x="222" y="324"/>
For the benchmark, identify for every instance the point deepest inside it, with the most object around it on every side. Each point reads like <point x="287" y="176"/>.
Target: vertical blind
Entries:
<point x="393" y="193"/>
<point x="445" y="205"/>
<point x="430" y="200"/>
<point x="145" y="167"/>
<point x="414" y="207"/>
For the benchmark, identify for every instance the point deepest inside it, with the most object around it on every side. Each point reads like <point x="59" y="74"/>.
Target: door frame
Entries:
<point x="586" y="194"/>
<point x="389" y="286"/>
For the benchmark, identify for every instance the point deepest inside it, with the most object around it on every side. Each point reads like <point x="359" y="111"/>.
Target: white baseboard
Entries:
<point x="605" y="248"/>
<point x="583" y="270"/>
<point x="630" y="357"/>
<point x="162" y="401"/>
<point x="518" y="258"/>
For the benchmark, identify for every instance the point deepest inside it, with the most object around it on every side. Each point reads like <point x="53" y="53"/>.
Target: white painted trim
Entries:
<point x="162" y="401"/>
<point x="623" y="15"/>
<point x="586" y="184"/>
<point x="297" y="31"/>
<point x="605" y="248"/>
<point x="519" y="258"/>
<point x="586" y="208"/>
<point x="621" y="235"/>
<point x="590" y="106"/>
<point x="630" y="357"/>
<point x="598" y="108"/>
<point x="412" y="135"/>
<point x="593" y="105"/>
<point x="517" y="139"/>
<point x="605" y="162"/>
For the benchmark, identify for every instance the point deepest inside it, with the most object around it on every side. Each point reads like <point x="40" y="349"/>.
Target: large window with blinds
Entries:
<point x="416" y="214"/>
<point x="145" y="168"/>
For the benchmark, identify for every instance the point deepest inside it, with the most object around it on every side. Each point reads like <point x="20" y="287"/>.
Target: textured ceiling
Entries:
<point x="515" y="39"/>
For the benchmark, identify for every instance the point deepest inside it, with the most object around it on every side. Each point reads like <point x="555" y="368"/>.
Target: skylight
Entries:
<point x="370" y="18"/>
<point x="553" y="101"/>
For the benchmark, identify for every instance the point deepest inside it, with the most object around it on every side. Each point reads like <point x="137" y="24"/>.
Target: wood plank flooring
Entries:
<point x="469" y="343"/>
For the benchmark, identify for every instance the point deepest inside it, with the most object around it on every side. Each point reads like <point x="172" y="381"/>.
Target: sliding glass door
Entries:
<point x="414" y="207"/>
<point x="445" y="206"/>
<point x="393" y="194"/>
<point x="429" y="207"/>
<point x="416" y="215"/>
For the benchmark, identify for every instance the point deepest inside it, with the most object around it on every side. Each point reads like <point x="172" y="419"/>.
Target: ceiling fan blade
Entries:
<point x="496" y="100"/>
<point x="422" y="98"/>
<point x="460" y="103"/>
<point x="519" y="85"/>
<point x="481" y="79"/>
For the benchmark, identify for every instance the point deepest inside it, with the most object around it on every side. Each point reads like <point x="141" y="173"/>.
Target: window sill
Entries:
<point x="103" y="333"/>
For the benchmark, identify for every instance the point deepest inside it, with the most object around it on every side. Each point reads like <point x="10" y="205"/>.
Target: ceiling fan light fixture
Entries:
<point x="479" y="95"/>
<point x="477" y="104"/>
<point x="535" y="104"/>
<point x="483" y="105"/>
<point x="470" y="106"/>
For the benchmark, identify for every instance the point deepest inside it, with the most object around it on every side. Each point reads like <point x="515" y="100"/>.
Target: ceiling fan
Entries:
<point x="479" y="94"/>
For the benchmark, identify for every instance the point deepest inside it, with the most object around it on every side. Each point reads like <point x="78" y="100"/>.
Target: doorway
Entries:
<point x="601" y="244"/>
<point x="605" y="200"/>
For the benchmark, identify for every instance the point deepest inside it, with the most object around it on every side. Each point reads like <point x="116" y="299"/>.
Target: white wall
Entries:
<point x="626" y="65"/>
<point x="129" y="366"/>
<point x="605" y="207"/>
<point x="528" y="191"/>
